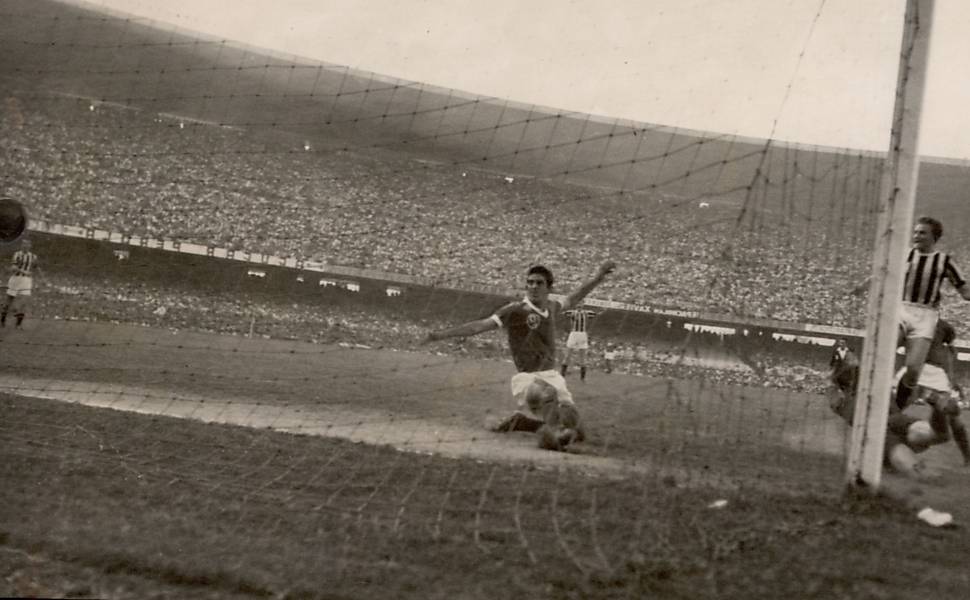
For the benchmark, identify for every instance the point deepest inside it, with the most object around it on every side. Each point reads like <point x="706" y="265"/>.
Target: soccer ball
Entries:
<point x="13" y="220"/>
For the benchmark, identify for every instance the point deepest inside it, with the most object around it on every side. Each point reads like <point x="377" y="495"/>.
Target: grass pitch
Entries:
<point x="112" y="503"/>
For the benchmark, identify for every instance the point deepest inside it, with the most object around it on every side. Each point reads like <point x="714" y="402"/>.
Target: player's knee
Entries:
<point x="539" y="395"/>
<point x="904" y="460"/>
<point x="950" y="407"/>
<point x="568" y="415"/>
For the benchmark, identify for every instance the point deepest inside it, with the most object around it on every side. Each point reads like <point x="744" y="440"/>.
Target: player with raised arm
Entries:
<point x="543" y="402"/>
<point x="23" y="266"/>
<point x="925" y="272"/>
<point x="578" y="340"/>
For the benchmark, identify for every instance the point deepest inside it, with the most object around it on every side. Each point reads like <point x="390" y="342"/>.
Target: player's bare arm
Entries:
<point x="464" y="330"/>
<point x="576" y="297"/>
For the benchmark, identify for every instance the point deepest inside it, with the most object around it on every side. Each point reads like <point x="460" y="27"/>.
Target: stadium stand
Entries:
<point x="80" y="162"/>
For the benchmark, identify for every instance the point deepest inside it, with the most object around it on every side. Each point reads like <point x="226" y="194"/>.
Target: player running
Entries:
<point x="21" y="283"/>
<point x="543" y="402"/>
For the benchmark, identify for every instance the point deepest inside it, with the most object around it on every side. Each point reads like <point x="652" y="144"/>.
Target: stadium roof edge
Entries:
<point x="466" y="95"/>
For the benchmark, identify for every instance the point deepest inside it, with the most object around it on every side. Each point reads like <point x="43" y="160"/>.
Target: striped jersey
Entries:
<point x="924" y="277"/>
<point x="579" y="319"/>
<point x="24" y="263"/>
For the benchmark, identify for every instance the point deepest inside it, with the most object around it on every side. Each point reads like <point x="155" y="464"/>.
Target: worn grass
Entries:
<point x="100" y="502"/>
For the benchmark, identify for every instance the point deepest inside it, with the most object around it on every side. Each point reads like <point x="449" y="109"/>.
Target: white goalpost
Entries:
<point x="897" y="192"/>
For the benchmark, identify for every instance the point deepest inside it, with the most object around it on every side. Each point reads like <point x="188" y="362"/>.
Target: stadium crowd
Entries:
<point x="81" y="298"/>
<point x="97" y="165"/>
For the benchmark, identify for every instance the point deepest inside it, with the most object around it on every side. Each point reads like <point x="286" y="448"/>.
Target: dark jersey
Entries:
<point x="839" y="356"/>
<point x="846" y="379"/>
<point x="531" y="333"/>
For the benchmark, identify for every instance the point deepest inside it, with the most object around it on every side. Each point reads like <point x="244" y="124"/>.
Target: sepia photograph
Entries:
<point x="453" y="299"/>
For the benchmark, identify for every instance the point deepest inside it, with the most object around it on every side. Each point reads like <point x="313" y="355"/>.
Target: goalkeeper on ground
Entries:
<point x="906" y="435"/>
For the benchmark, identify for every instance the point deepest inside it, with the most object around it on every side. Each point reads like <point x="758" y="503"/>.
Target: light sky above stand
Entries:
<point x="811" y="71"/>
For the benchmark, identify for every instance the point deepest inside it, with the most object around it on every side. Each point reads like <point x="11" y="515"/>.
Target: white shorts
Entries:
<point x="577" y="340"/>
<point x="918" y="321"/>
<point x="610" y="355"/>
<point x="19" y="285"/>
<point x="931" y="377"/>
<point x="521" y="382"/>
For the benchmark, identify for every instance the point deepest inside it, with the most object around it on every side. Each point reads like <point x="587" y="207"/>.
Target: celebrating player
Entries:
<point x="544" y="403"/>
<point x="926" y="270"/>
<point x="20" y="284"/>
<point x="578" y="339"/>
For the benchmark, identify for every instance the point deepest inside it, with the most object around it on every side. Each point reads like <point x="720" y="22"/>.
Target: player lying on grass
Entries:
<point x="543" y="402"/>
<point x="935" y="385"/>
<point x="906" y="435"/>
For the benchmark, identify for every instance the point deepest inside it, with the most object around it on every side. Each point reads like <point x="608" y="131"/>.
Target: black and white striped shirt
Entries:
<point x="579" y="319"/>
<point x="24" y="263"/>
<point x="924" y="277"/>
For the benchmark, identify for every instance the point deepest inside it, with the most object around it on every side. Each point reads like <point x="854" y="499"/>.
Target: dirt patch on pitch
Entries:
<point x="419" y="435"/>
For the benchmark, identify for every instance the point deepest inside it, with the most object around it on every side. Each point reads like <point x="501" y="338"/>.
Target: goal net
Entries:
<point x="241" y="251"/>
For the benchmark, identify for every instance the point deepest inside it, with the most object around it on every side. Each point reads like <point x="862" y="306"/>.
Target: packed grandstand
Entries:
<point x="91" y="164"/>
<point x="81" y="162"/>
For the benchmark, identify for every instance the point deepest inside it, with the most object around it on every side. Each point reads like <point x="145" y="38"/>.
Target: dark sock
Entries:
<point x="562" y="370"/>
<point x="903" y="392"/>
<point x="582" y="373"/>
<point x="20" y="318"/>
<point x="939" y="423"/>
<point x="960" y="436"/>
